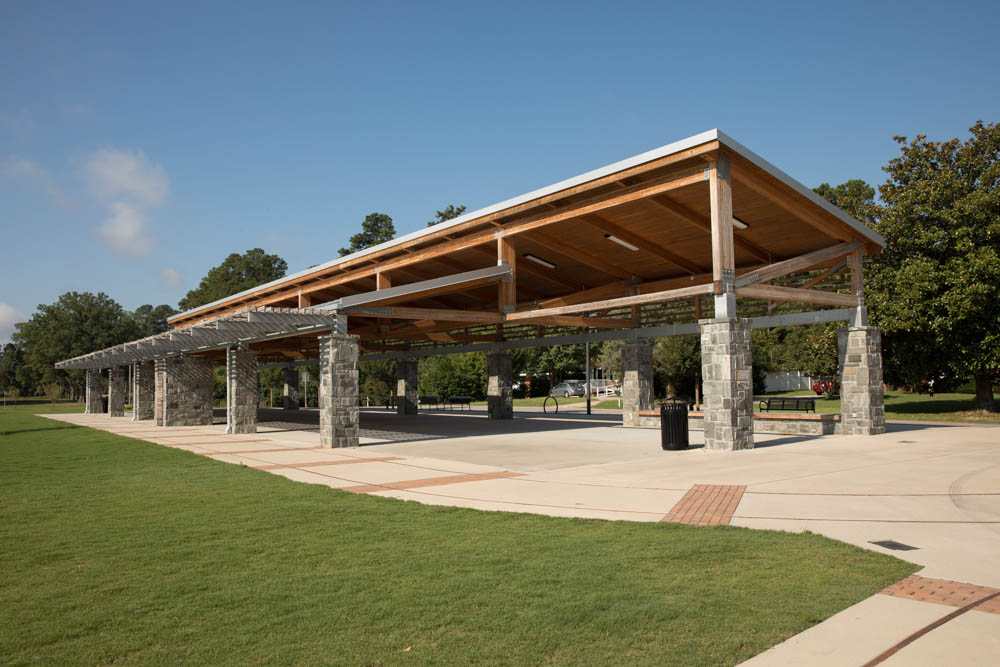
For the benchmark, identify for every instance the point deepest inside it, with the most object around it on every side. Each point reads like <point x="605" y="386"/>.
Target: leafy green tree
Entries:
<point x="377" y="380"/>
<point x="151" y="320"/>
<point x="855" y="197"/>
<point x="376" y="228"/>
<point x="10" y="360"/>
<point x="454" y="375"/>
<point x="77" y="323"/>
<point x="447" y="214"/>
<point x="235" y="274"/>
<point x="935" y="290"/>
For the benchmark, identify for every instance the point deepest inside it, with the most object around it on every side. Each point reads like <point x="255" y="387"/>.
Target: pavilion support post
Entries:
<point x="184" y="391"/>
<point x="117" y="387"/>
<point x="637" y="380"/>
<point x="500" y="390"/>
<point x="93" y="392"/>
<point x="241" y="388"/>
<point x="859" y="315"/>
<point x="159" y="391"/>
<point x="338" y="390"/>
<point x="726" y="367"/>
<point x="290" y="394"/>
<point x="862" y="398"/>
<point x="145" y="398"/>
<point x="723" y="257"/>
<point x="406" y="386"/>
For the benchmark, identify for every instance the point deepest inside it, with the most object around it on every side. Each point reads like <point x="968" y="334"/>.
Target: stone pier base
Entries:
<point x="92" y="398"/>
<point x="117" y="388"/>
<point x="183" y="391"/>
<point x="290" y="395"/>
<point x="145" y="392"/>
<point x="406" y="386"/>
<point x="499" y="390"/>
<point x="241" y="387"/>
<point x="338" y="390"/>
<point x="862" y="398"/>
<point x="637" y="380"/>
<point x="726" y="366"/>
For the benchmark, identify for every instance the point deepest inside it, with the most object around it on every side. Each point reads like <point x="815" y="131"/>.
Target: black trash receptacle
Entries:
<point x="104" y="404"/>
<point x="674" y="425"/>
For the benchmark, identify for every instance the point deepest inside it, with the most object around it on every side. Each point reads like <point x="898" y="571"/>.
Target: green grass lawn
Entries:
<point x="115" y="549"/>
<point x="914" y="407"/>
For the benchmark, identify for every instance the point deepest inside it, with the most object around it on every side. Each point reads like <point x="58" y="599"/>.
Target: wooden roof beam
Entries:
<point x="617" y="231"/>
<point x="704" y="222"/>
<point x="772" y="190"/>
<point x="637" y="299"/>
<point x="584" y="257"/>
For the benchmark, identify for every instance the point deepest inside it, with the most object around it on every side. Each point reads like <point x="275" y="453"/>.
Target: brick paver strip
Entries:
<point x="430" y="481"/>
<point x="314" y="464"/>
<point x="252" y="451"/>
<point x="967" y="597"/>
<point x="944" y="591"/>
<point x="707" y="505"/>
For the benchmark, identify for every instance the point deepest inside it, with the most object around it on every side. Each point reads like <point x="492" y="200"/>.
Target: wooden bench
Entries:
<point x="787" y="403"/>
<point x="429" y="400"/>
<point x="460" y="401"/>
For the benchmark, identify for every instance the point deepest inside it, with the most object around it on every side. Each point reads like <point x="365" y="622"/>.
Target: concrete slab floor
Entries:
<point x="935" y="488"/>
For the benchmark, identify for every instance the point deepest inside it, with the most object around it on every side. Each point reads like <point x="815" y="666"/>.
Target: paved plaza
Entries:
<point x="929" y="493"/>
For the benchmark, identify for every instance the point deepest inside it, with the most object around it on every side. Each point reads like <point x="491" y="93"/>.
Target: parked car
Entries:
<point x="826" y="386"/>
<point x="568" y="388"/>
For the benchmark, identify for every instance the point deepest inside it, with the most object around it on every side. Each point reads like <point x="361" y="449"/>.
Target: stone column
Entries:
<point x="726" y="367"/>
<point x="637" y="380"/>
<point x="184" y="391"/>
<point x="406" y="386"/>
<point x="338" y="390"/>
<point x="290" y="395"/>
<point x="93" y="392"/>
<point x="117" y="386"/>
<point x="862" y="398"/>
<point x="499" y="392"/>
<point x="145" y="393"/>
<point x="241" y="388"/>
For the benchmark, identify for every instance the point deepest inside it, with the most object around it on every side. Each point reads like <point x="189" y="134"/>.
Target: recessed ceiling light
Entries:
<point x="739" y="224"/>
<point x="624" y="244"/>
<point x="538" y="260"/>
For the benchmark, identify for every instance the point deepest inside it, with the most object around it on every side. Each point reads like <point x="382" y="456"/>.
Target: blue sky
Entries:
<point x="140" y="143"/>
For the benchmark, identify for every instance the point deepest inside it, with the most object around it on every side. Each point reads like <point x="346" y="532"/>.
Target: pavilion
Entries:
<point x="701" y="235"/>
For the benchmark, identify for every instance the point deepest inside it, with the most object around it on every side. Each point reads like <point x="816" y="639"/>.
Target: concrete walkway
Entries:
<point x="929" y="494"/>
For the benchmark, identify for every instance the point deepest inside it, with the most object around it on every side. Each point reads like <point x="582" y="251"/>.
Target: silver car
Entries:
<point x="568" y="388"/>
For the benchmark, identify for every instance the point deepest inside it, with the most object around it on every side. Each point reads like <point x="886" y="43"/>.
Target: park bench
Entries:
<point x="460" y="401"/>
<point x="787" y="403"/>
<point x="429" y="400"/>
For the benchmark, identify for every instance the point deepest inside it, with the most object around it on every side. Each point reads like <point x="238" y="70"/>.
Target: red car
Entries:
<point x="826" y="386"/>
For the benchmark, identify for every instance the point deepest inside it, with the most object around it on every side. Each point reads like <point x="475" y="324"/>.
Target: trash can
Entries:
<point x="674" y="425"/>
<point x="104" y="404"/>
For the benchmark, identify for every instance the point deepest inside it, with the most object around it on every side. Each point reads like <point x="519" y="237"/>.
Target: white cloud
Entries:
<point x="27" y="173"/>
<point x="171" y="277"/>
<point x="130" y="184"/>
<point x="127" y="231"/>
<point x="9" y="315"/>
<point x="116" y="174"/>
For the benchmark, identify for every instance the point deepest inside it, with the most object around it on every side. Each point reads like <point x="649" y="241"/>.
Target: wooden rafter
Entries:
<point x="637" y="299"/>
<point x="798" y="294"/>
<point x="704" y="222"/>
<point x="645" y="244"/>
<point x="560" y="247"/>
<point x="801" y="263"/>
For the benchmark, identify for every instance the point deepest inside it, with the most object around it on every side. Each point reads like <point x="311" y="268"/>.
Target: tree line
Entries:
<point x="934" y="292"/>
